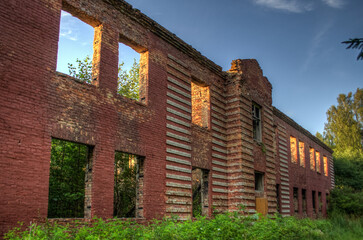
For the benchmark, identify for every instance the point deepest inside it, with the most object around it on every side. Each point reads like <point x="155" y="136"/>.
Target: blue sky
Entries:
<point x="296" y="42"/>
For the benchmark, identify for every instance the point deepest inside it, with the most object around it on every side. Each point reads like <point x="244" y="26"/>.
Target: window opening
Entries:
<point x="278" y="208"/>
<point x="293" y="147"/>
<point x="256" y="122"/>
<point x="128" y="181"/>
<point x="318" y="161"/>
<point x="302" y="154"/>
<point x="259" y="186"/>
<point x="131" y="70"/>
<point x="296" y="200"/>
<point x="304" y="207"/>
<point x="75" y="47"/>
<point x="312" y="159"/>
<point x="70" y="168"/>
<point x="200" y="192"/>
<point x="200" y="104"/>
<point x="325" y="163"/>
<point x="320" y="202"/>
<point x="314" y="201"/>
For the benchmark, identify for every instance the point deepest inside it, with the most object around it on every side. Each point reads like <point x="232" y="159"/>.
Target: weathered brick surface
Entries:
<point x="38" y="104"/>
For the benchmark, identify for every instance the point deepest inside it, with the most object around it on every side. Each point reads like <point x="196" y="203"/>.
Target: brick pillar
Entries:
<point x="239" y="146"/>
<point x="105" y="58"/>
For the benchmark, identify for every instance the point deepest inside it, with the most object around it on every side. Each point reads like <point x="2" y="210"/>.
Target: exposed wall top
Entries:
<point x="292" y="123"/>
<point x="166" y="35"/>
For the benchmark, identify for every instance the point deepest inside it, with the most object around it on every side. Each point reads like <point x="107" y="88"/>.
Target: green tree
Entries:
<point x="128" y="81"/>
<point x="343" y="131"/>
<point x="356" y="43"/>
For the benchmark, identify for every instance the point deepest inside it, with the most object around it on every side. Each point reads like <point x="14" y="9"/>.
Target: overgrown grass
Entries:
<point x="223" y="226"/>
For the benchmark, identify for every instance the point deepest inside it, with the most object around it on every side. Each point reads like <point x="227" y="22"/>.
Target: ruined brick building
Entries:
<point x="191" y="116"/>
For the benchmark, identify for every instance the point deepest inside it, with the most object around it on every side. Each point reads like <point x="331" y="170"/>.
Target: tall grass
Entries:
<point x="223" y="226"/>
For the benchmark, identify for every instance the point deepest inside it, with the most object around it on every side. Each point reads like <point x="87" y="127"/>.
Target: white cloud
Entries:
<point x="295" y="6"/>
<point x="65" y="14"/>
<point x="334" y="3"/>
<point x="68" y="33"/>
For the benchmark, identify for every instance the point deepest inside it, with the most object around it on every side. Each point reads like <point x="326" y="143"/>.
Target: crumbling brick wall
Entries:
<point x="38" y="104"/>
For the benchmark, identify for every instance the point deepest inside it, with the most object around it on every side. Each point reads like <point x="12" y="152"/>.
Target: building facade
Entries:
<point x="193" y="122"/>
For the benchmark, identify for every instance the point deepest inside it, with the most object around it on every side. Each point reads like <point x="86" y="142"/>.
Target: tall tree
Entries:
<point x="356" y="43"/>
<point x="127" y="82"/>
<point x="343" y="131"/>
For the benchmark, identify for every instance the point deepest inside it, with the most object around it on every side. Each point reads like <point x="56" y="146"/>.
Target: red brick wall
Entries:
<point x="38" y="104"/>
<point x="303" y="177"/>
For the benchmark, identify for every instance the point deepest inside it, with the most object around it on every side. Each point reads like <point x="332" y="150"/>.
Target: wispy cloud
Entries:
<point x="316" y="44"/>
<point x="295" y="6"/>
<point x="67" y="27"/>
<point x="334" y="3"/>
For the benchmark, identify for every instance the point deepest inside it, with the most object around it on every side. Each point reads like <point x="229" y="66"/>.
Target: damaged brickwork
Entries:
<point x="191" y="115"/>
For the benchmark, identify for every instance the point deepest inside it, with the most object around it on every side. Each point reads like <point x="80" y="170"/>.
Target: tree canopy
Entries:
<point x="343" y="131"/>
<point x="128" y="81"/>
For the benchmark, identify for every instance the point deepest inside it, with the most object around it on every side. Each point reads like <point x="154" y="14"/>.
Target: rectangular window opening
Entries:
<point x="200" y="104"/>
<point x="296" y="200"/>
<point x="132" y="70"/>
<point x="318" y="162"/>
<point x="313" y="198"/>
<point x="256" y="122"/>
<point x="75" y="45"/>
<point x="259" y="179"/>
<point x="200" y="204"/>
<point x="302" y="154"/>
<point x="304" y="206"/>
<point x="293" y="147"/>
<point x="312" y="159"/>
<point x="278" y="198"/>
<point x="70" y="180"/>
<point x="128" y="183"/>
<point x="320" y="203"/>
<point x="325" y="163"/>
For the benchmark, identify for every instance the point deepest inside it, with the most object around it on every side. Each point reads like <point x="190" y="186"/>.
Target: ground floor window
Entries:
<point x="128" y="182"/>
<point x="69" y="173"/>
<point x="200" y="192"/>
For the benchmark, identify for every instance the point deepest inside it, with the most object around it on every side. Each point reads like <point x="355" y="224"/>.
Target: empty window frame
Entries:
<point x="304" y="207"/>
<point x="302" y="154"/>
<point x="256" y="122"/>
<point x="293" y="148"/>
<point x="200" y="104"/>
<point x="69" y="180"/>
<point x="320" y="202"/>
<point x="278" y="198"/>
<point x="325" y="165"/>
<point x="200" y="192"/>
<point x="132" y="70"/>
<point x="259" y="181"/>
<point x="128" y="182"/>
<point x="312" y="159"/>
<point x="318" y="161"/>
<point x="75" y="46"/>
<point x="296" y="200"/>
<point x="313" y="198"/>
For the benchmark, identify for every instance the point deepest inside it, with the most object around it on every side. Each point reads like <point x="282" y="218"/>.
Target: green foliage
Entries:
<point x="347" y="197"/>
<point x="125" y="185"/>
<point x="356" y="43"/>
<point x="344" y="129"/>
<point x="223" y="226"/>
<point x="128" y="81"/>
<point x="67" y="179"/>
<point x="83" y="71"/>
